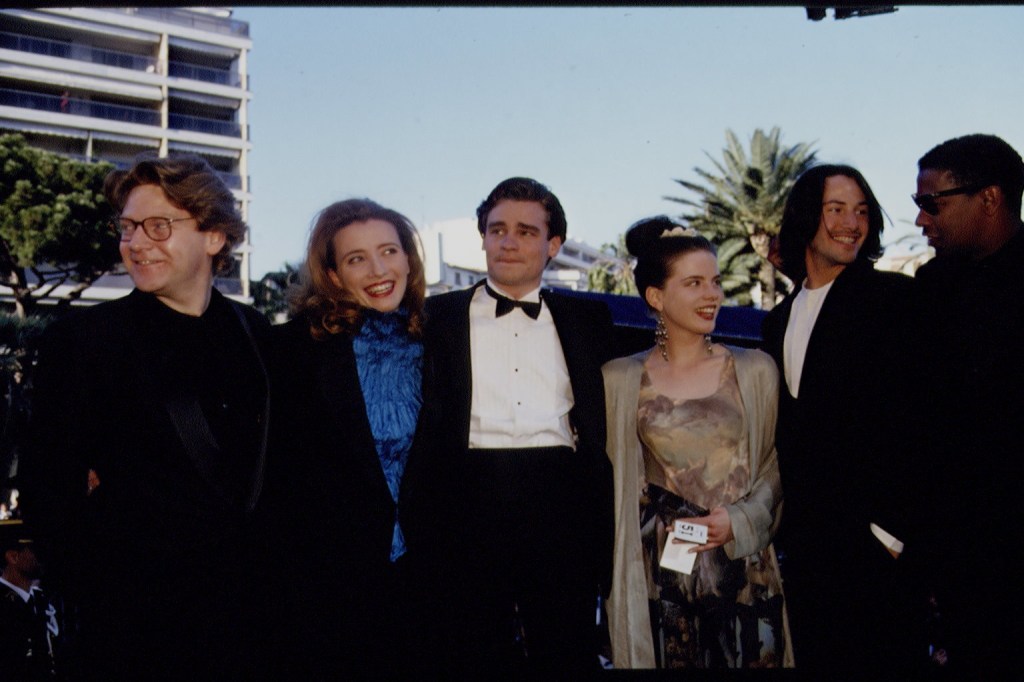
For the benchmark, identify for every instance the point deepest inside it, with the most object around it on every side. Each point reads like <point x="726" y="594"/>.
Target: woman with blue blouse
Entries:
<point x="347" y="398"/>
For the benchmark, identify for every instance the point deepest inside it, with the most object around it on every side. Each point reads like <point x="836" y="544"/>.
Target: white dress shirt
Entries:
<point x="521" y="390"/>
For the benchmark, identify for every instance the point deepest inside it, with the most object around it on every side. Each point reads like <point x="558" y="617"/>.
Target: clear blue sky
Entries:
<point x="425" y="109"/>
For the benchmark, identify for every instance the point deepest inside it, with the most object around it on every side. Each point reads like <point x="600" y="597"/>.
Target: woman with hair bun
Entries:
<point x="691" y="427"/>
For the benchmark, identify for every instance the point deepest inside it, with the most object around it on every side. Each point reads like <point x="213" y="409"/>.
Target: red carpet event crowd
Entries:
<point x="494" y="482"/>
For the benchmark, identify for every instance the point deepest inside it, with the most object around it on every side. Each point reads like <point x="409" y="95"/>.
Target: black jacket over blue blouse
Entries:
<point x="343" y="469"/>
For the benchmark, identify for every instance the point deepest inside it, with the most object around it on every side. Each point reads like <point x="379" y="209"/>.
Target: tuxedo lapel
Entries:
<point x="454" y="357"/>
<point x="184" y="413"/>
<point x="774" y="337"/>
<point x="264" y="422"/>
<point x="831" y="331"/>
<point x="183" y="410"/>
<point x="569" y="335"/>
<point x="577" y="331"/>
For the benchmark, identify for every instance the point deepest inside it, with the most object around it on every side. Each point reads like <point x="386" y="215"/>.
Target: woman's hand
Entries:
<point x="719" y="529"/>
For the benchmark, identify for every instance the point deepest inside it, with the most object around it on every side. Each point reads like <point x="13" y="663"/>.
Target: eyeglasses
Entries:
<point x="156" y="228"/>
<point x="926" y="202"/>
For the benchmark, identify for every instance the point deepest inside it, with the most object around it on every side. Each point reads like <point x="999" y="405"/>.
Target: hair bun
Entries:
<point x="645" y="235"/>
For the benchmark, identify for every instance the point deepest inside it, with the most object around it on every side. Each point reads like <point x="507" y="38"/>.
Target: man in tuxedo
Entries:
<point x="836" y="340"/>
<point x="519" y="406"/>
<point x="969" y="195"/>
<point x="164" y="394"/>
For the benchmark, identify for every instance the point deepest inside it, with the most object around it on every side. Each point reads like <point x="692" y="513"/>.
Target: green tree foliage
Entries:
<point x="739" y="208"/>
<point x="17" y="334"/>
<point x="269" y="294"/>
<point x="53" y="223"/>
<point x="613" y="273"/>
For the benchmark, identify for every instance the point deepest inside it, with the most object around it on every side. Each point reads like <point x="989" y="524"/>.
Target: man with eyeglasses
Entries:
<point x="969" y="195"/>
<point x="164" y="394"/>
<point x="836" y="341"/>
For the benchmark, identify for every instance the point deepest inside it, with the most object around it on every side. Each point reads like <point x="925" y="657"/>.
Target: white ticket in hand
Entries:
<point x="677" y="555"/>
<point x="691" y="532"/>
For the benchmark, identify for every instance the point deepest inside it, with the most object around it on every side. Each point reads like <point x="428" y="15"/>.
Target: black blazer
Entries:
<point x="842" y="454"/>
<point x="169" y="536"/>
<point x="328" y="480"/>
<point x="104" y="397"/>
<point x="585" y="332"/>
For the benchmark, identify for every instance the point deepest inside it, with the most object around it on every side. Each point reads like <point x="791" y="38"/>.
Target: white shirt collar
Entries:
<point x="17" y="590"/>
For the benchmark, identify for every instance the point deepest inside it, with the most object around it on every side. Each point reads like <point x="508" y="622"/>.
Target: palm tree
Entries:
<point x="613" y="273"/>
<point x="739" y="208"/>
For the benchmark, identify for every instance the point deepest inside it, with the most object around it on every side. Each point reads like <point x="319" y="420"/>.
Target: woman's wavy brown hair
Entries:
<point x="330" y="309"/>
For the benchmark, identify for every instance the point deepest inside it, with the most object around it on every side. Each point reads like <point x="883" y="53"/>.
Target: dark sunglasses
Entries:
<point x="926" y="202"/>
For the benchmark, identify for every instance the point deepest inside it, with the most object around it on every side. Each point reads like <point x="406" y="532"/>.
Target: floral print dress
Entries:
<point x="726" y="613"/>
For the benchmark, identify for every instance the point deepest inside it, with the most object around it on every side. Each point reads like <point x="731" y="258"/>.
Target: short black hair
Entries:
<point x="980" y="158"/>
<point x="802" y="216"/>
<point x="524" y="189"/>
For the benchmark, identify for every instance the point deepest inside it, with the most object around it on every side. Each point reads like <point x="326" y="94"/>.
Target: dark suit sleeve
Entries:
<point x="598" y="334"/>
<point x="896" y="468"/>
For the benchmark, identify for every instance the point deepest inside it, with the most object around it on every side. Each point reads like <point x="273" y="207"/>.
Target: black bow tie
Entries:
<point x="506" y="304"/>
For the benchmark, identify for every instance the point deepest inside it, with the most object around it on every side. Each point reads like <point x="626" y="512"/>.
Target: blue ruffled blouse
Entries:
<point x="389" y="364"/>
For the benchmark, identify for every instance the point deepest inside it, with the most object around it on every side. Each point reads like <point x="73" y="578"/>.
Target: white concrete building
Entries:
<point x="906" y="254"/>
<point x="107" y="83"/>
<point x="453" y="258"/>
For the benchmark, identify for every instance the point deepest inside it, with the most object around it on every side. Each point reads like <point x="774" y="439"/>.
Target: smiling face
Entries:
<point x="517" y="245"/>
<point x="178" y="270"/>
<point x="842" y="229"/>
<point x="691" y="297"/>
<point x="371" y="264"/>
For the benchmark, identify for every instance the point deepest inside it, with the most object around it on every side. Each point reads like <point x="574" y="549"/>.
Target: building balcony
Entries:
<point x="84" y="53"/>
<point x="78" y="107"/>
<point x="204" y="125"/>
<point x="232" y="180"/>
<point x="203" y="73"/>
<point x="201" y="22"/>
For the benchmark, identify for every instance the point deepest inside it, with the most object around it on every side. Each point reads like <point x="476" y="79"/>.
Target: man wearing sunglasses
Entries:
<point x="969" y="195"/>
<point x="163" y="393"/>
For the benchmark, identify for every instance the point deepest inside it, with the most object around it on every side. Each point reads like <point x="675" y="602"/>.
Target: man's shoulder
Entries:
<point x="882" y="286"/>
<point x="9" y="595"/>
<point x="579" y="305"/>
<point x="775" y="317"/>
<point x="448" y="297"/>
<point x="448" y="303"/>
<point x="257" y="320"/>
<point x="80" y="324"/>
<point x="889" y="278"/>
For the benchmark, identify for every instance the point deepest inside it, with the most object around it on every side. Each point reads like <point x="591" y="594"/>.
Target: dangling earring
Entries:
<point x="707" y="343"/>
<point x="661" y="337"/>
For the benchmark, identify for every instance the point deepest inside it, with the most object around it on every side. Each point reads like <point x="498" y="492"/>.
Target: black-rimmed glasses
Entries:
<point x="156" y="228"/>
<point x="926" y="202"/>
